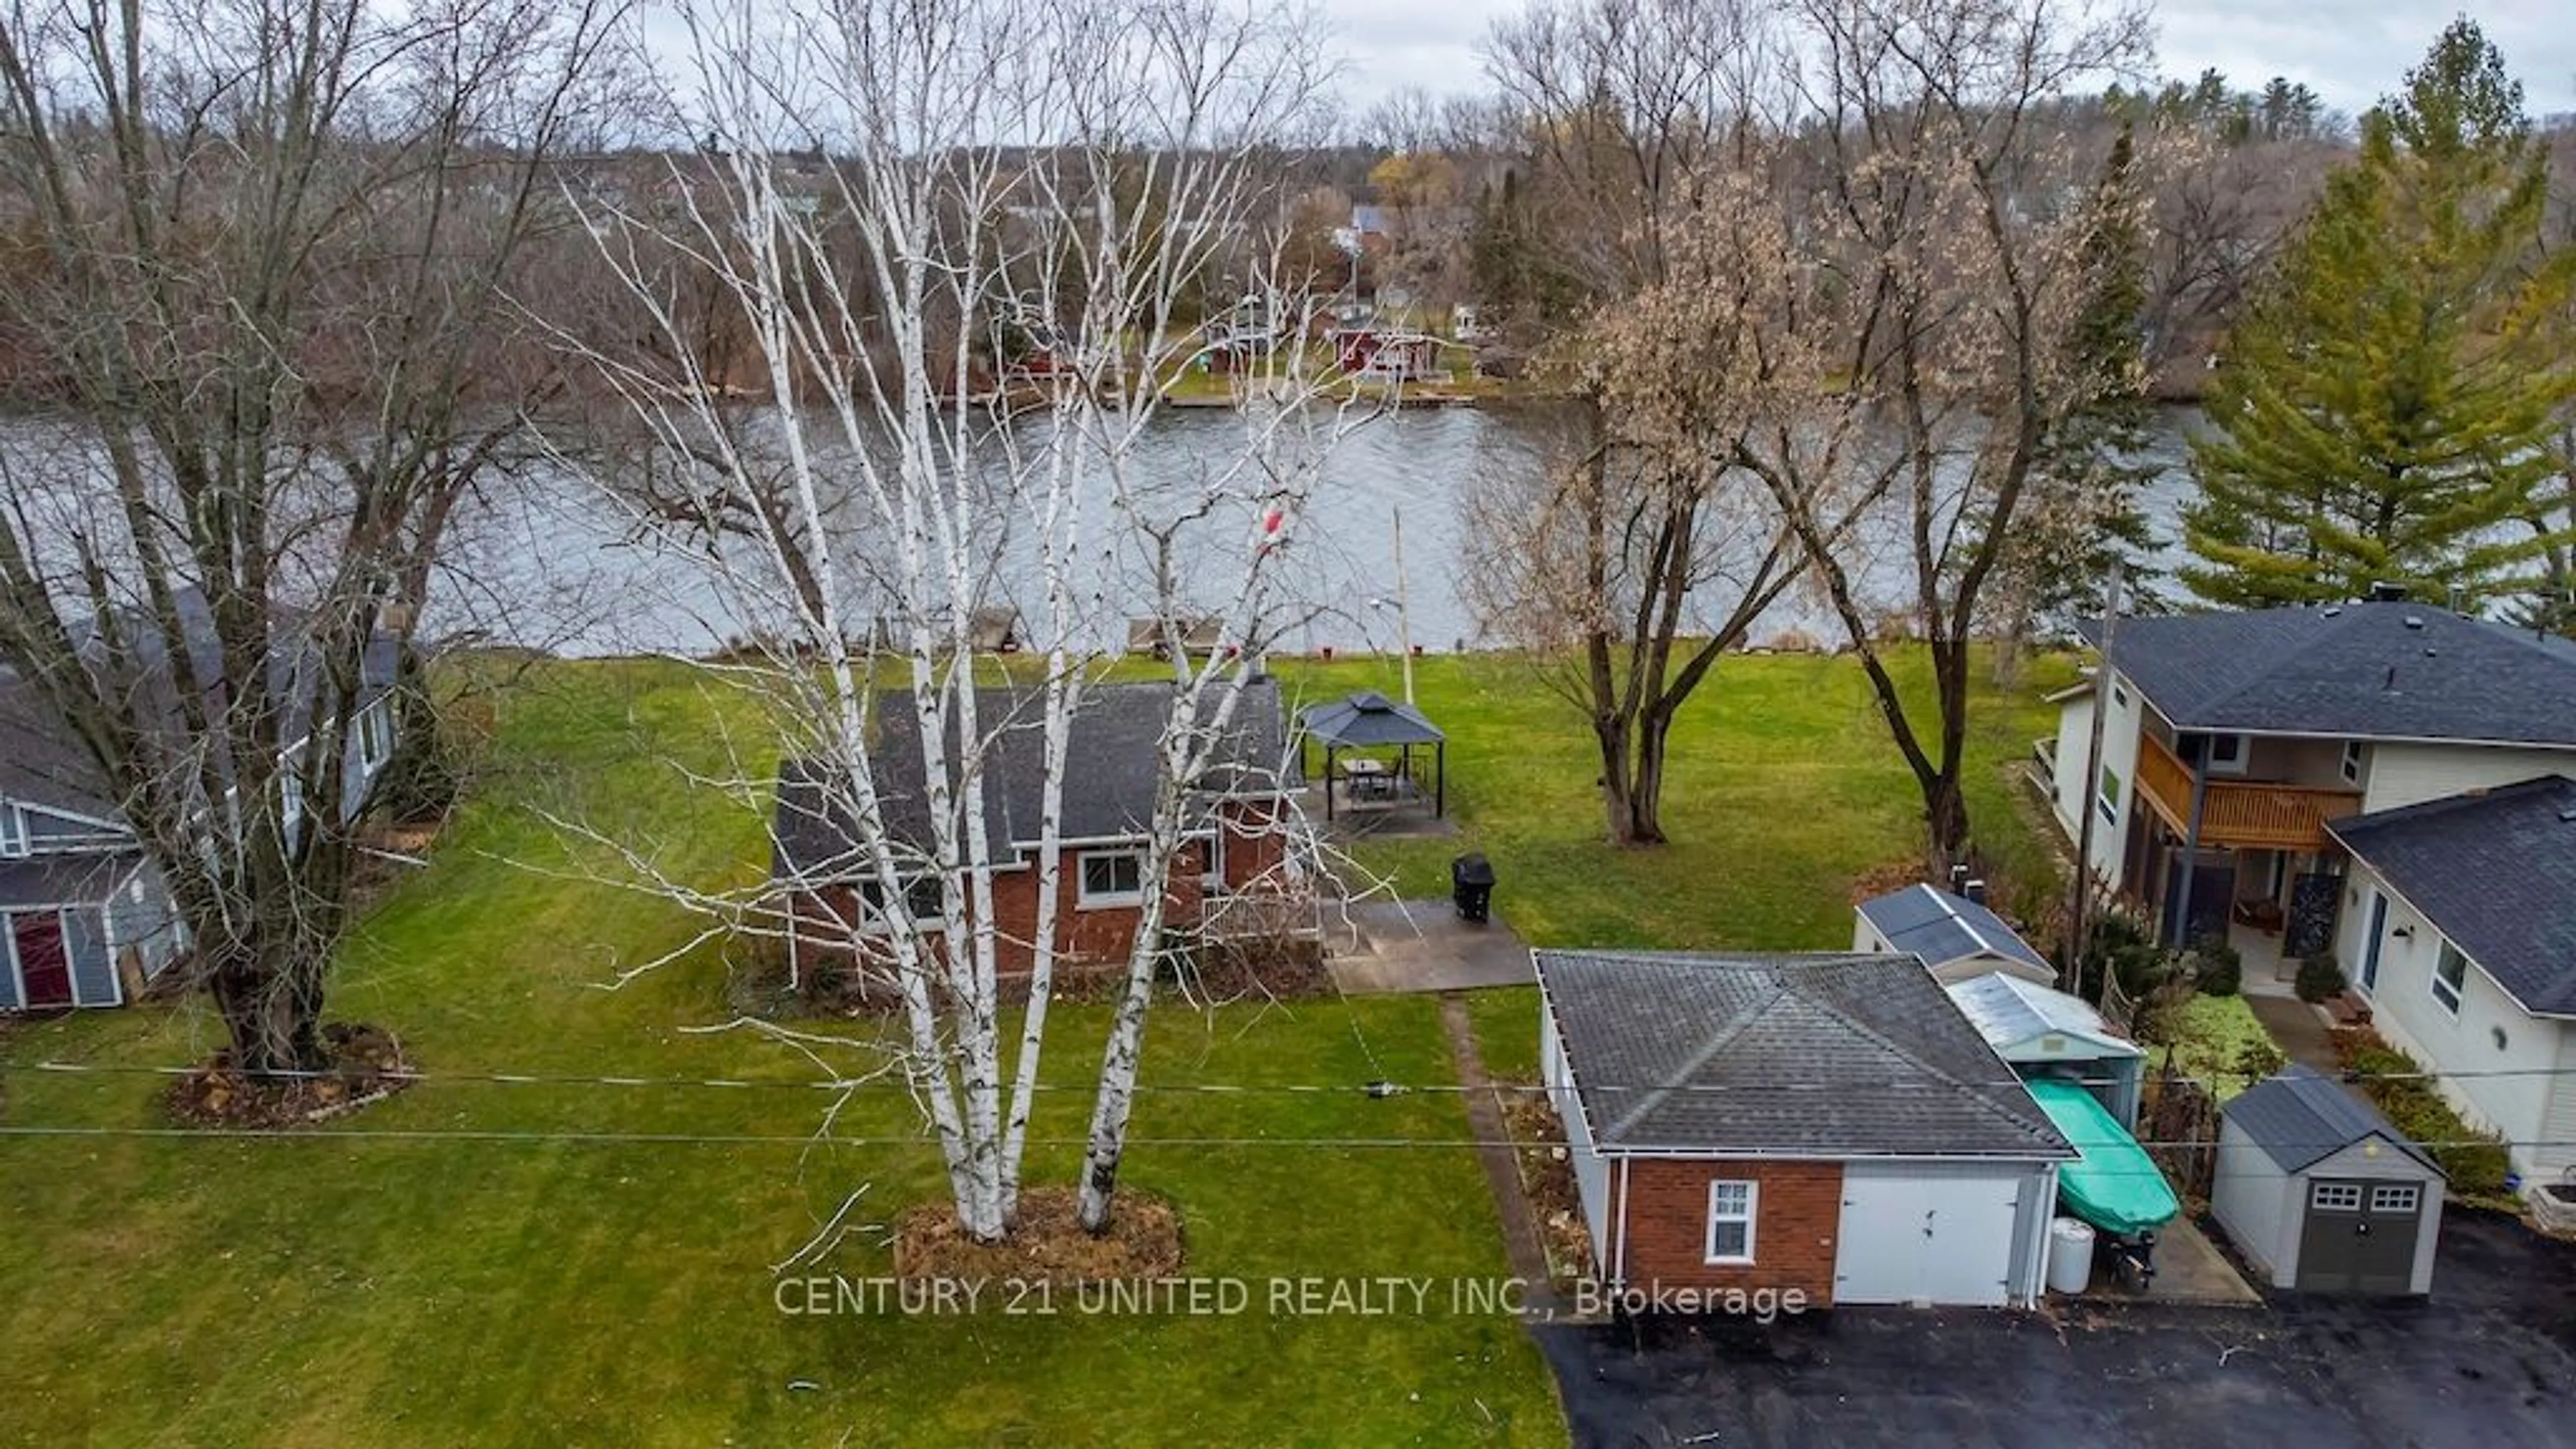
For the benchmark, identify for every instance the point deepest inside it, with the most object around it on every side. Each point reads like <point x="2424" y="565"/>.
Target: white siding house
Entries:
<point x="2459" y="927"/>
<point x="2232" y="740"/>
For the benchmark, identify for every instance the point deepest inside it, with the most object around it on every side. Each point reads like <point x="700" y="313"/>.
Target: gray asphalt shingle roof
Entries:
<point x="2360" y="670"/>
<point x="1941" y="927"/>
<point x="1108" y="791"/>
<point x="44" y="765"/>
<point x="2300" y="1119"/>
<point x="1825" y="1056"/>
<point x="1368" y="720"/>
<point x="2495" y="871"/>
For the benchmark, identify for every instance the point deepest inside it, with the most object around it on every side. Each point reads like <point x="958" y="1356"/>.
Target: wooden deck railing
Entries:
<point x="2238" y="814"/>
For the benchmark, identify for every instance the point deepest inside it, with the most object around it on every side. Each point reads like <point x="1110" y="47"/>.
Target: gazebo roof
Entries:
<point x="1368" y="719"/>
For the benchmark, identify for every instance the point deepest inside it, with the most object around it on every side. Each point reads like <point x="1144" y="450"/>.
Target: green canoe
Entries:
<point x="2115" y="1186"/>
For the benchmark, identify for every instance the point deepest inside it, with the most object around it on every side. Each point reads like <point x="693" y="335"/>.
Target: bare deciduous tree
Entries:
<point x="256" y="255"/>
<point x="1949" y="234"/>
<point x="1630" y="562"/>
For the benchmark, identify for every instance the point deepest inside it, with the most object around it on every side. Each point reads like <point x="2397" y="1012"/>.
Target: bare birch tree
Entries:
<point x="256" y="254"/>
<point x="982" y="174"/>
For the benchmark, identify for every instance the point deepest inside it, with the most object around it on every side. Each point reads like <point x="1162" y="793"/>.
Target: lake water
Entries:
<point x="551" y="565"/>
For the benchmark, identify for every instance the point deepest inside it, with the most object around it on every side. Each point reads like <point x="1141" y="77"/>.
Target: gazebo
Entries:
<point x="1370" y="721"/>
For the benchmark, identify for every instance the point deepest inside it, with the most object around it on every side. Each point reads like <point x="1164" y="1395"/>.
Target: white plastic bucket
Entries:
<point x="2070" y="1255"/>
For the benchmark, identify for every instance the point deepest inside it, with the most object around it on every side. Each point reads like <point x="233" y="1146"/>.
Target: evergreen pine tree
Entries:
<point x="2083" y="507"/>
<point x="2386" y="407"/>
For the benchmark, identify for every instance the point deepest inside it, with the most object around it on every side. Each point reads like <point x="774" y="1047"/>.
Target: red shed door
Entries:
<point x="43" y="968"/>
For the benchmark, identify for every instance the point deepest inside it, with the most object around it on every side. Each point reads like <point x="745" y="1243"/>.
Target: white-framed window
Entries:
<point x="1730" y="1220"/>
<point x="2393" y="1197"/>
<point x="1212" y="863"/>
<point x="290" y="784"/>
<point x="2335" y="1197"/>
<point x="921" y="901"/>
<point x="2226" y="754"/>
<point x="2106" y="796"/>
<point x="2352" y="758"/>
<point x="375" y="734"/>
<point x="2450" y="978"/>
<point x="1111" y="878"/>
<point x="13" y="831"/>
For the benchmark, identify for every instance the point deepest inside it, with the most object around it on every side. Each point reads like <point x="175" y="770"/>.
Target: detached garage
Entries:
<point x="1830" y="1124"/>
<point x="2321" y="1193"/>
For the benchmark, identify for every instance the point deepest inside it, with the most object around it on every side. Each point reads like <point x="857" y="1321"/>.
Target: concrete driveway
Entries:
<point x="2488" y="1361"/>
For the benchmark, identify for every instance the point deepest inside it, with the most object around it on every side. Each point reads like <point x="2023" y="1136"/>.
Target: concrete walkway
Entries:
<point x="1398" y="946"/>
<point x="2189" y="1269"/>
<point x="1521" y="1246"/>
<point x="2299" y="1029"/>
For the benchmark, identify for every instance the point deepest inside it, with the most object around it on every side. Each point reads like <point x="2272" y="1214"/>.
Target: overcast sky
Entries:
<point x="2352" y="52"/>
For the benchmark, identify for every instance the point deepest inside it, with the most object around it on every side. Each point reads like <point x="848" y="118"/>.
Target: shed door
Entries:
<point x="44" y="968"/>
<point x="2360" y="1236"/>
<point x="1925" y="1239"/>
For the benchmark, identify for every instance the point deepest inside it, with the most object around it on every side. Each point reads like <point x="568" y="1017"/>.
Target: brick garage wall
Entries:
<point x="1797" y="1212"/>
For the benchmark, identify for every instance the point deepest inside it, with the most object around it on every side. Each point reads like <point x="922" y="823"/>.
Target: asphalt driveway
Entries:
<point x="2488" y="1361"/>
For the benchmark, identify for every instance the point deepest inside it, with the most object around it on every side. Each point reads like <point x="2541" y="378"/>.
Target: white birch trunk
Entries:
<point x="985" y="165"/>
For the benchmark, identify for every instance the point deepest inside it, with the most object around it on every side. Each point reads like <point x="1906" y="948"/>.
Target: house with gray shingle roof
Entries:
<point x="2461" y="932"/>
<point x="1235" y="832"/>
<point x="2231" y="740"/>
<point x="85" y="918"/>
<point x="1831" y="1125"/>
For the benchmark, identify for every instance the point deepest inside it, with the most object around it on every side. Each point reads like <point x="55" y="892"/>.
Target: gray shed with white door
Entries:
<point x="2321" y="1193"/>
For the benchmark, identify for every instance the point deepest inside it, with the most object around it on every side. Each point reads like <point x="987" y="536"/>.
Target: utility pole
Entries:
<point x="1403" y="610"/>
<point x="2078" y="928"/>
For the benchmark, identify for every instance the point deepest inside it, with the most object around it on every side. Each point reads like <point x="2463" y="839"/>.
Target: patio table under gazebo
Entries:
<point x="1372" y="723"/>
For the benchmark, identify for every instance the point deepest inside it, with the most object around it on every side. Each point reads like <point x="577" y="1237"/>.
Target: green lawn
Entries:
<point x="2211" y="1037"/>
<point x="535" y="1288"/>
<point x="1783" y="787"/>
<point x="393" y="1291"/>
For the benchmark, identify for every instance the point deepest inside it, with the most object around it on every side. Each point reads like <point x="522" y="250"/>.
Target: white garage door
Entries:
<point x="1925" y="1239"/>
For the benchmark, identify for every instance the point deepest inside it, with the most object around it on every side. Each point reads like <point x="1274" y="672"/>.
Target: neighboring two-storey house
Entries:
<point x="2381" y="780"/>
<point x="85" y="919"/>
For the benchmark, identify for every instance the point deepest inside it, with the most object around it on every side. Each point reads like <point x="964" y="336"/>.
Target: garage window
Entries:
<point x="1730" y="1221"/>
<point x="2450" y="974"/>
<point x="2335" y="1197"/>
<point x="2393" y="1199"/>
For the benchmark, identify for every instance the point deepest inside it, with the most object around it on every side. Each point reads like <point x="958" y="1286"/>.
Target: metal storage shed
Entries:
<point x="1956" y="937"/>
<point x="2319" y="1191"/>
<point x="2045" y="1033"/>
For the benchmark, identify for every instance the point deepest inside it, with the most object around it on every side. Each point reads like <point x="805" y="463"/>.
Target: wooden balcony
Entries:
<point x="2238" y="814"/>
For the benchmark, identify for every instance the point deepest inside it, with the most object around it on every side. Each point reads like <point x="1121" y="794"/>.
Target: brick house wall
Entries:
<point x="1797" y="1213"/>
<point x="1254" y="846"/>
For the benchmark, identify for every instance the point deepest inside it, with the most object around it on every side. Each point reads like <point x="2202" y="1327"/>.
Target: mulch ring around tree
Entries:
<point x="367" y="1065"/>
<point x="1143" y="1240"/>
